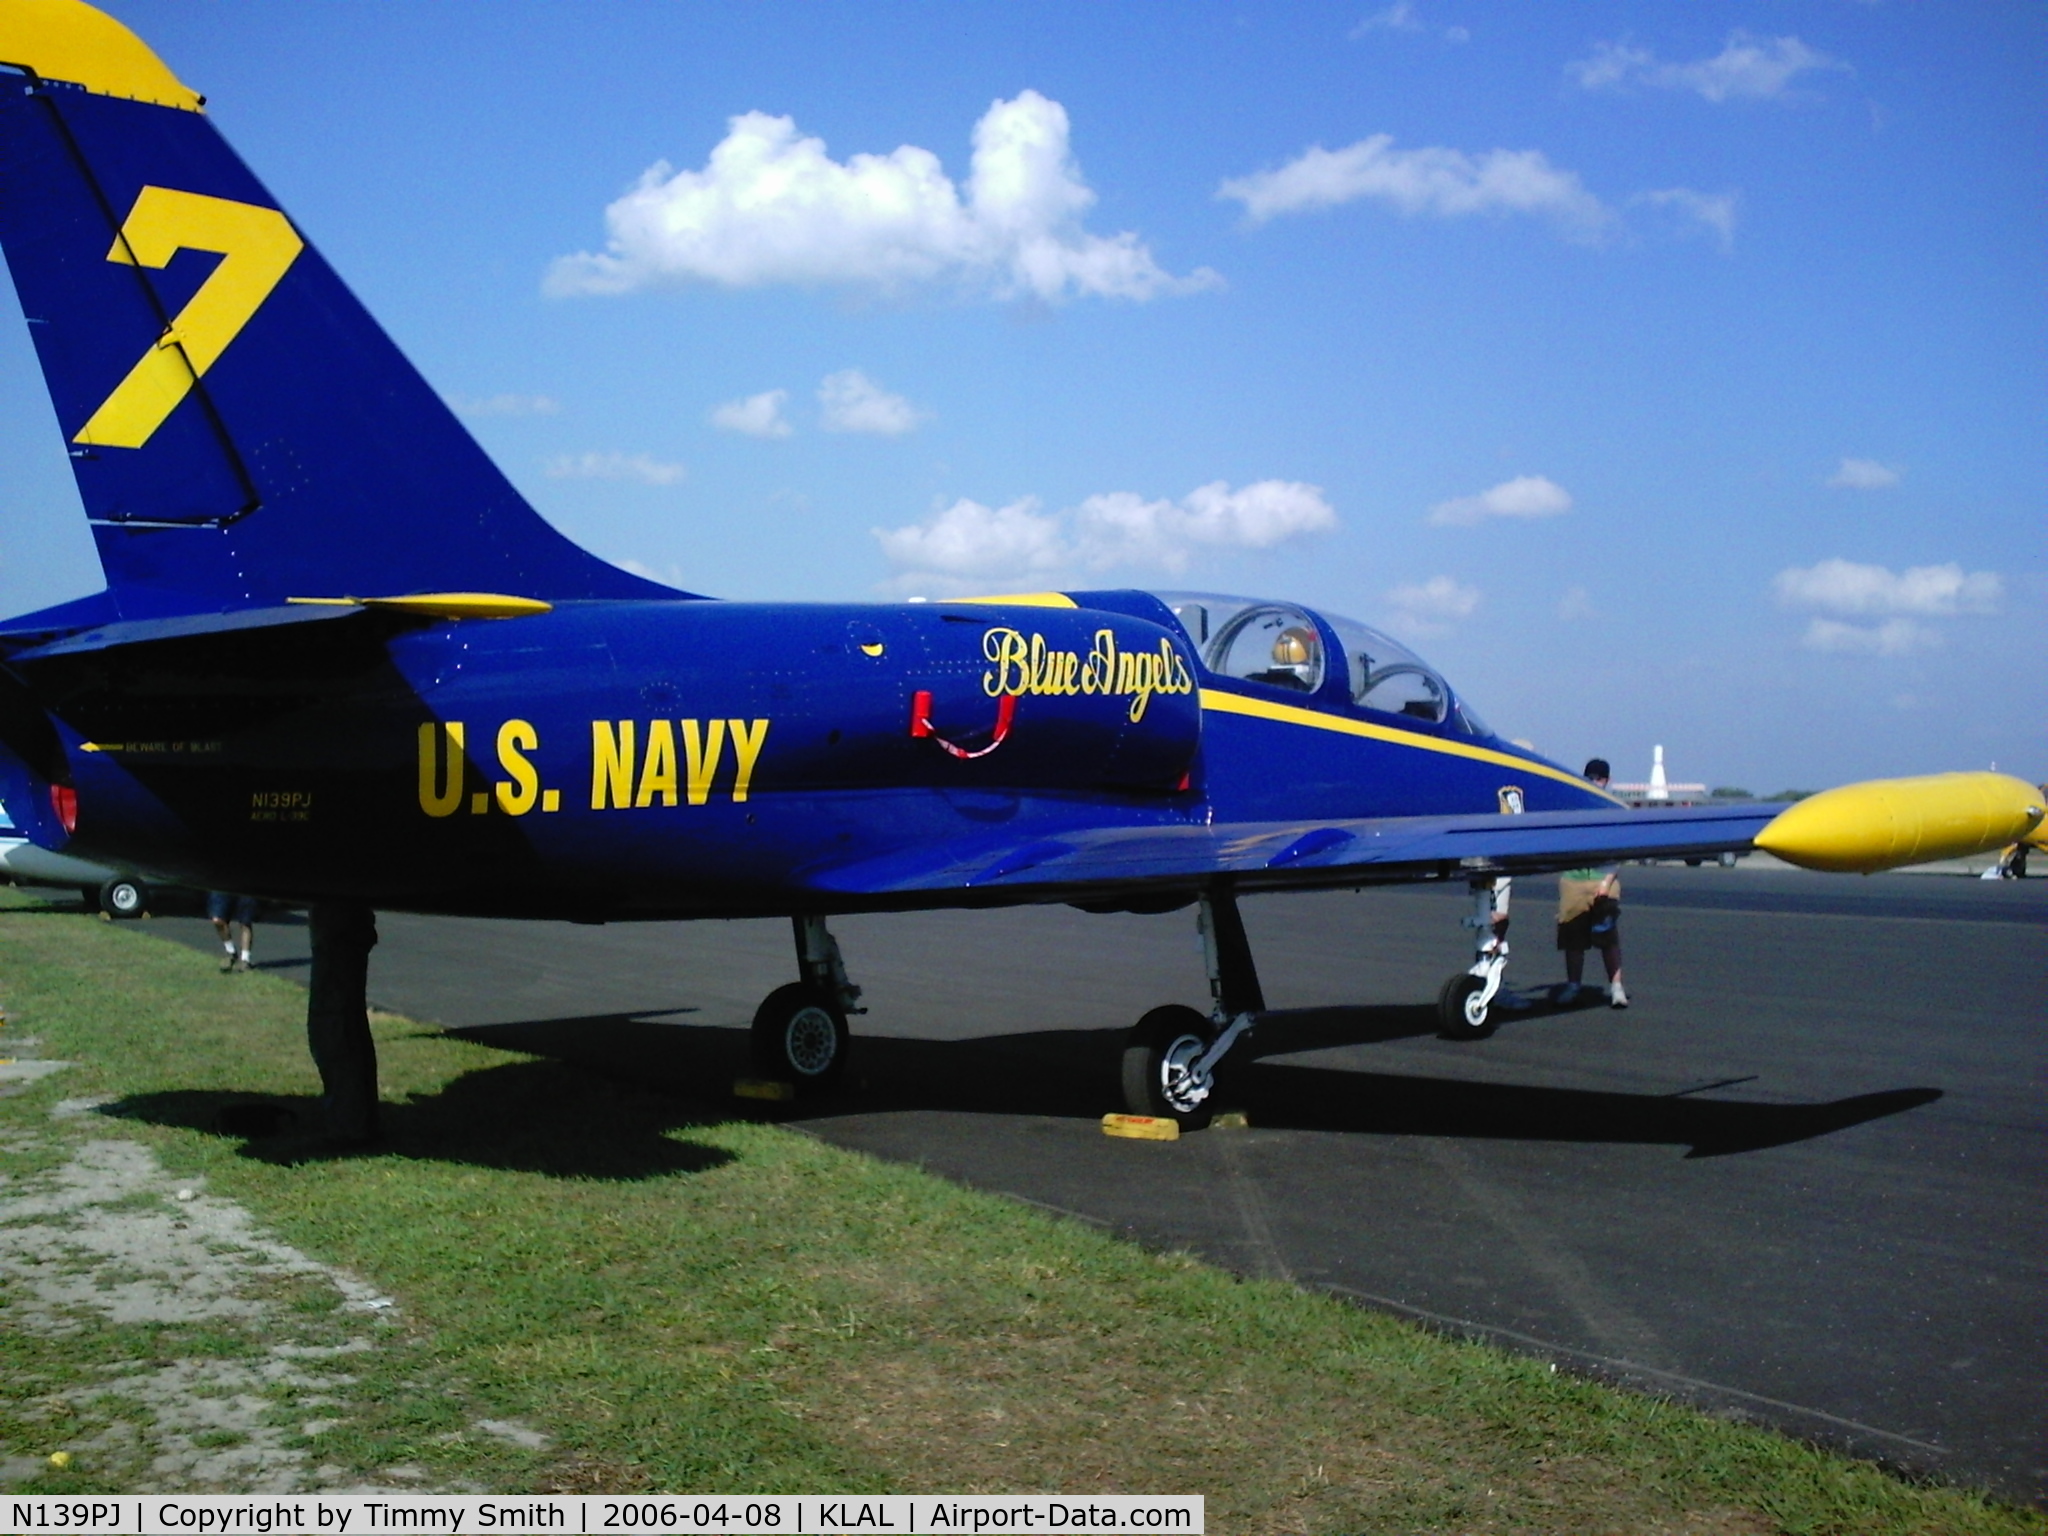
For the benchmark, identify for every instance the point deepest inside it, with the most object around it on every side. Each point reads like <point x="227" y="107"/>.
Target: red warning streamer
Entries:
<point x="921" y="724"/>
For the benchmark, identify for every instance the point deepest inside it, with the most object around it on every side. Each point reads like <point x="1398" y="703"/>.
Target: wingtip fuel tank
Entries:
<point x="1886" y="823"/>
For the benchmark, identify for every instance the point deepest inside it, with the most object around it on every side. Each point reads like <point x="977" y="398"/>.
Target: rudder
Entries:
<point x="240" y="428"/>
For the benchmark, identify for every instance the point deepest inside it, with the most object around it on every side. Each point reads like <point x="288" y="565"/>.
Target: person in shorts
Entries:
<point x="234" y="919"/>
<point x="2012" y="864"/>
<point x="1589" y="917"/>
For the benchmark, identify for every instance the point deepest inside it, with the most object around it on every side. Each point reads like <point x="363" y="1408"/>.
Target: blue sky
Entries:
<point x="1664" y="373"/>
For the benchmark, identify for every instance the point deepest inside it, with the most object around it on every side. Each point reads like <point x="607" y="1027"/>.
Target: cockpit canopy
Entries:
<point x="1284" y="646"/>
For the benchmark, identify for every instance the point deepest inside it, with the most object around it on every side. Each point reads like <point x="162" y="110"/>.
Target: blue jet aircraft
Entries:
<point x="339" y="661"/>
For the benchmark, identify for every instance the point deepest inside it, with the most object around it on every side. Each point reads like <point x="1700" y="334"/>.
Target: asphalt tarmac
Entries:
<point x="1802" y="1180"/>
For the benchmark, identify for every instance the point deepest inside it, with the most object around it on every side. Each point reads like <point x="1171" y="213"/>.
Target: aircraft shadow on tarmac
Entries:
<point x="541" y="1116"/>
<point x="1314" y="1098"/>
<point x="1073" y="1074"/>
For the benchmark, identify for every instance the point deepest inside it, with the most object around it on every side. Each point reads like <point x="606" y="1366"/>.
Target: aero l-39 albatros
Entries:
<point x="340" y="661"/>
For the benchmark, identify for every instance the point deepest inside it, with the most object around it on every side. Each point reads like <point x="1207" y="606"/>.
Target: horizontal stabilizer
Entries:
<point x="440" y="605"/>
<point x="106" y="637"/>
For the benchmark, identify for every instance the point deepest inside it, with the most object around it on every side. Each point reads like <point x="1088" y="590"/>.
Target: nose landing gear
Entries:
<point x="1464" y="1007"/>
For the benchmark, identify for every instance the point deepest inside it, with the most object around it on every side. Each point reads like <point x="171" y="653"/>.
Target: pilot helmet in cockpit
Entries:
<point x="1295" y="651"/>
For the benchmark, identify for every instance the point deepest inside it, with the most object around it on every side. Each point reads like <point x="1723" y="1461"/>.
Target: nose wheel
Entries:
<point x="1464" y="1008"/>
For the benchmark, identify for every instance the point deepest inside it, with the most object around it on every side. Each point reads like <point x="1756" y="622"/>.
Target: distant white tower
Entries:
<point x="1659" y="789"/>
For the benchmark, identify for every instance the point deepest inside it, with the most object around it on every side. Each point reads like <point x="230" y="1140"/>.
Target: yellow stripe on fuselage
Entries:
<point x="1294" y="714"/>
<point x="1021" y="600"/>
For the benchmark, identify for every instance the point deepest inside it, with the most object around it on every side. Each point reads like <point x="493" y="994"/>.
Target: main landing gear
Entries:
<point x="800" y="1034"/>
<point x="1173" y="1055"/>
<point x="1171" y="1059"/>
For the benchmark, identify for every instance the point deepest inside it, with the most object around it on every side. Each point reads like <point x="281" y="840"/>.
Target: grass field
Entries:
<point x="547" y="1280"/>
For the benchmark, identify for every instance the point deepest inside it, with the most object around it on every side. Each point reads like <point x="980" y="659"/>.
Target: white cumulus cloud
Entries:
<point x="1123" y="528"/>
<point x="971" y="540"/>
<point x="755" y="416"/>
<point x="1444" y="183"/>
<point x="614" y="466"/>
<point x="1864" y="475"/>
<point x="1525" y="496"/>
<point x="1402" y="16"/>
<point x="1713" y="212"/>
<point x="1747" y="68"/>
<point x="970" y="544"/>
<point x="1922" y="591"/>
<point x="1398" y="17"/>
<point x="853" y="402"/>
<point x="1430" y="607"/>
<point x="1894" y="637"/>
<point x="1898" y="601"/>
<point x="772" y="206"/>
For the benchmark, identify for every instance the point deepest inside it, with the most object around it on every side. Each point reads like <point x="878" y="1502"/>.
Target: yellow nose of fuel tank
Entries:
<point x="1884" y="823"/>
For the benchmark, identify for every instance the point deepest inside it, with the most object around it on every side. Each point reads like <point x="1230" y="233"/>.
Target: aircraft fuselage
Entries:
<point x="612" y="759"/>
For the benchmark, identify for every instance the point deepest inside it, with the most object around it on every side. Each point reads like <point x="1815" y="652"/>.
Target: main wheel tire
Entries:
<point x="124" y="896"/>
<point x="1161" y="1048"/>
<point x="1460" y="1014"/>
<point x="800" y="1037"/>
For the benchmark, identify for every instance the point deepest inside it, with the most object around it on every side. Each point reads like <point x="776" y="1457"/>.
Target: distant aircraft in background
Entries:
<point x="339" y="661"/>
<point x="114" y="892"/>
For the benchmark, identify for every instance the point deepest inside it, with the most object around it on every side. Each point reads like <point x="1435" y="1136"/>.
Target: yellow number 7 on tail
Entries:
<point x="257" y="247"/>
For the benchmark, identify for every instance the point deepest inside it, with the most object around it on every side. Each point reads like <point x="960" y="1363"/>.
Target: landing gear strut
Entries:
<point x="1171" y="1059"/>
<point x="800" y="1033"/>
<point x="1464" y="1006"/>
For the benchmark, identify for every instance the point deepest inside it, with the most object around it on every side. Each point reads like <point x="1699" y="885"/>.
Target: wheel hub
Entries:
<point x="1179" y="1084"/>
<point x="812" y="1041"/>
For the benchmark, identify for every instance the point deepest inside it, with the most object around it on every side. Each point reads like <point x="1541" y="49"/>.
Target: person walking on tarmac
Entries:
<point x="233" y="917"/>
<point x="1589" y="917"/>
<point x="2012" y="864"/>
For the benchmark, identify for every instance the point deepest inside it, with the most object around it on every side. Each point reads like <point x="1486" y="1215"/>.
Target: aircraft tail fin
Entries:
<point x="241" y="430"/>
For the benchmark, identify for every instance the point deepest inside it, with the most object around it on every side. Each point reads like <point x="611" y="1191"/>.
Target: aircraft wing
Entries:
<point x="1091" y="863"/>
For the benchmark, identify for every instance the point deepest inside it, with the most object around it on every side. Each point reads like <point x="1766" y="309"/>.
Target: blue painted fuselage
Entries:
<point x="694" y="758"/>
